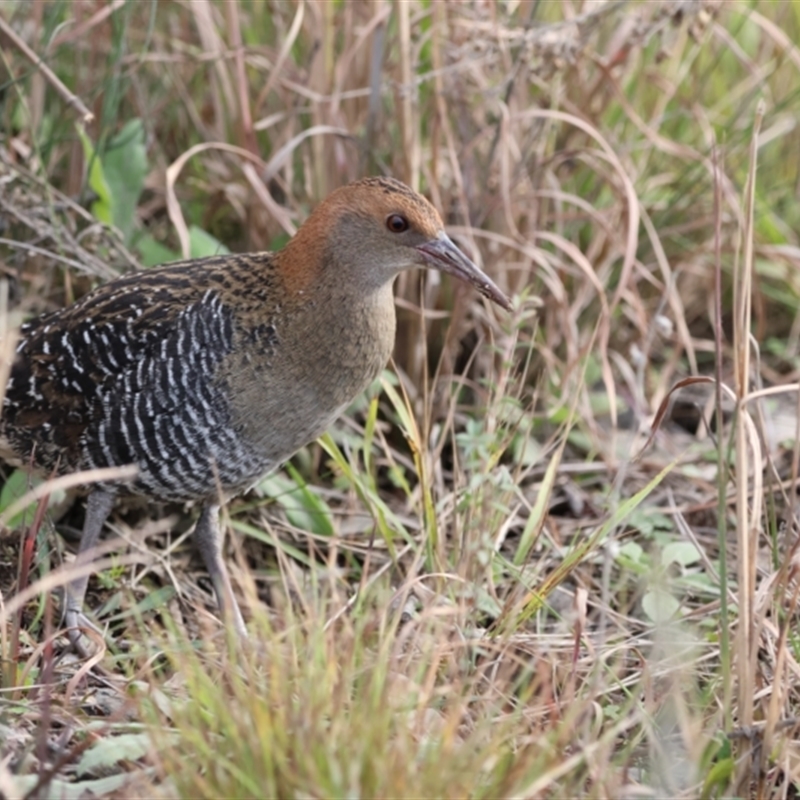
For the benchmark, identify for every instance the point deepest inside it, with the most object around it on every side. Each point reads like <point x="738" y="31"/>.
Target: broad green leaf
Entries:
<point x="649" y="522"/>
<point x="152" y="253"/>
<point x="15" y="487"/>
<point x="18" y="483"/>
<point x="632" y="557"/>
<point x="683" y="553"/>
<point x="108" y="751"/>
<point x="125" y="169"/>
<point x="202" y="244"/>
<point x="660" y="606"/>
<point x="102" y="207"/>
<point x="699" y="583"/>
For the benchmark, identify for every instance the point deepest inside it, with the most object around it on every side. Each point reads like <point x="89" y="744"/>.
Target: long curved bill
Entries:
<point x="441" y="253"/>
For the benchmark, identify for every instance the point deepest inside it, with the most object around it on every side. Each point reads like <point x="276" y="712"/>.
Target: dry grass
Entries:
<point x="532" y="562"/>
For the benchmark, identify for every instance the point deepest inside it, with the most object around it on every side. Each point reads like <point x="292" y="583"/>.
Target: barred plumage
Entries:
<point x="115" y="379"/>
<point x="206" y="374"/>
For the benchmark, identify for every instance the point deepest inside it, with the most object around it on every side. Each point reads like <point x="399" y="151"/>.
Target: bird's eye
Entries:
<point x="396" y="223"/>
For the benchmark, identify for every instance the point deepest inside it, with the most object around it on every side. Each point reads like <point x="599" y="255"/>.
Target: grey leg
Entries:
<point x="209" y="543"/>
<point x="98" y="507"/>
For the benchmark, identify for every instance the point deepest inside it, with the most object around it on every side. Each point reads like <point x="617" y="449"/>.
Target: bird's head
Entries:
<point x="375" y="228"/>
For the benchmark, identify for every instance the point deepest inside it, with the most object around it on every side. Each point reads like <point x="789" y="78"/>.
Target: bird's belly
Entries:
<point x="277" y="420"/>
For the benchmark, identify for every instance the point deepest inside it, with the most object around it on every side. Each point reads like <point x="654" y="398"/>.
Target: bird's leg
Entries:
<point x="98" y="507"/>
<point x="208" y="537"/>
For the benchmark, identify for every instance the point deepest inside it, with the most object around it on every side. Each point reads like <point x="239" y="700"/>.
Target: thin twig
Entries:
<point x="50" y="76"/>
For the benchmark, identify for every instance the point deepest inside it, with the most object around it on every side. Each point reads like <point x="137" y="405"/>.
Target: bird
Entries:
<point x="208" y="374"/>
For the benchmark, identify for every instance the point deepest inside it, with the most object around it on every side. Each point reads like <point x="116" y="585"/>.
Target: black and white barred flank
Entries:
<point x="131" y="375"/>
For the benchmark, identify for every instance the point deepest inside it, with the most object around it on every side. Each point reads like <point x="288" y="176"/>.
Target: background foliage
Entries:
<point x="521" y="565"/>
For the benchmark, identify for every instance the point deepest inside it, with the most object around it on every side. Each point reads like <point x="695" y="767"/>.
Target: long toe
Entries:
<point x="78" y="624"/>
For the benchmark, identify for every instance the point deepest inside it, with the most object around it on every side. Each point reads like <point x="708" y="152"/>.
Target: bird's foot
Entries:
<point x="77" y="624"/>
